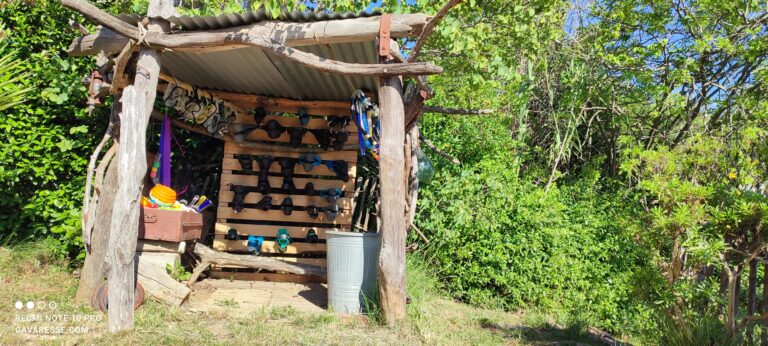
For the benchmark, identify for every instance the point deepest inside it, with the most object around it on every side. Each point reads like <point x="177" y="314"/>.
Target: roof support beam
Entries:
<point x="289" y="34"/>
<point x="136" y="105"/>
<point x="228" y="38"/>
<point x="392" y="199"/>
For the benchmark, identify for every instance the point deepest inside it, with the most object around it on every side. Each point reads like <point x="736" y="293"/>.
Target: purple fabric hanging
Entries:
<point x="165" y="151"/>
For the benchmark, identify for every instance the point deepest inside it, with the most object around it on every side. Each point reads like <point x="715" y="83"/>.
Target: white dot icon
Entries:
<point x="19" y="305"/>
<point x="30" y="305"/>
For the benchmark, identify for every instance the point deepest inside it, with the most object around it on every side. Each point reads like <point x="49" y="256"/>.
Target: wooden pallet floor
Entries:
<point x="241" y="298"/>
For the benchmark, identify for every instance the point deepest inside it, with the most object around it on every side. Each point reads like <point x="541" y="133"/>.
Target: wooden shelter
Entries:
<point x="301" y="60"/>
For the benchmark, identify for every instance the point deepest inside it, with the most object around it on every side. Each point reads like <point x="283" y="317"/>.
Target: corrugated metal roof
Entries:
<point x="193" y="23"/>
<point x="254" y="71"/>
<point x="251" y="70"/>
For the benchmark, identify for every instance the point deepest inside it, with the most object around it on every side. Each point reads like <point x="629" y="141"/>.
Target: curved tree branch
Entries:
<point x="429" y="28"/>
<point x="457" y="111"/>
<point x="439" y="151"/>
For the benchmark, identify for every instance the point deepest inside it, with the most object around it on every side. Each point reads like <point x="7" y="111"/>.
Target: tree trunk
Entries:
<point x="95" y="266"/>
<point x="137" y="103"/>
<point x="764" y="307"/>
<point x="413" y="175"/>
<point x="732" y="302"/>
<point x="392" y="199"/>
<point x="730" y="317"/>
<point x="751" y="301"/>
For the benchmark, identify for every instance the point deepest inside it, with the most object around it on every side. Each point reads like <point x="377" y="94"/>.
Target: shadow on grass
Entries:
<point x="549" y="334"/>
<point x="316" y="294"/>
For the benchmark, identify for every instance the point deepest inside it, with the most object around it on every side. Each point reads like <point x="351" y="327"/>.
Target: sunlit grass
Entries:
<point x="29" y="273"/>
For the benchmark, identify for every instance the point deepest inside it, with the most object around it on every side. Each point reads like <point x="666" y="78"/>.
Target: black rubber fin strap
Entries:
<point x="296" y="133"/>
<point x="246" y="162"/>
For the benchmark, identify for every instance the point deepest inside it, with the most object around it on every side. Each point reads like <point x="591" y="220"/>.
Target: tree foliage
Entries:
<point x="47" y="137"/>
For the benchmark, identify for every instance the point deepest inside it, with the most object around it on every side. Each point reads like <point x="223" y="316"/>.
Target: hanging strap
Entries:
<point x="165" y="151"/>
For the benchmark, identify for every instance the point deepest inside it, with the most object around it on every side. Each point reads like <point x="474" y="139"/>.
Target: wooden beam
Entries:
<point x="156" y="281"/>
<point x="242" y="102"/>
<point x="210" y="257"/>
<point x="274" y="104"/>
<point x="103" y="41"/>
<point x="161" y="246"/>
<point x="207" y="39"/>
<point x="421" y="81"/>
<point x="288" y="34"/>
<point x="393" y="226"/>
<point x="132" y="166"/>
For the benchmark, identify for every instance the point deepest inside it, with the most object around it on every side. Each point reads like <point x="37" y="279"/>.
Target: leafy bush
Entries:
<point x="49" y="137"/>
<point x="503" y="241"/>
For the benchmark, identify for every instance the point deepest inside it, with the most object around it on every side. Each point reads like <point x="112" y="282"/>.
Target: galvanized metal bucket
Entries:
<point x="352" y="267"/>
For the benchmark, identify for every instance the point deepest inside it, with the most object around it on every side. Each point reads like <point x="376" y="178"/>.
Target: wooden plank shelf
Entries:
<point x="230" y="274"/>
<point x="296" y="232"/>
<point x="230" y="163"/>
<point x="226" y="196"/>
<point x="251" y="221"/>
<point x="320" y="262"/>
<point x="232" y="148"/>
<point x="293" y="121"/>
<point x="269" y="246"/>
<point x="275" y="182"/>
<point x="343" y="218"/>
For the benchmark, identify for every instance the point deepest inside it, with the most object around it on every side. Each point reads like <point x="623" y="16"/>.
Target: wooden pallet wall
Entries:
<point x="266" y="223"/>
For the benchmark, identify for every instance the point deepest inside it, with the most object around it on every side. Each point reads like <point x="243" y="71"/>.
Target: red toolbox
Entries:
<point x="170" y="225"/>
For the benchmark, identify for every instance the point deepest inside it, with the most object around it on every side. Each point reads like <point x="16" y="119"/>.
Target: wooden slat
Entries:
<point x="273" y="277"/>
<point x="269" y="231"/>
<point x="232" y="148"/>
<point x="276" y="182"/>
<point x="320" y="262"/>
<point x="343" y="218"/>
<point x="268" y="247"/>
<point x="226" y="197"/>
<point x="314" y="123"/>
<point x="307" y="139"/>
<point x="232" y="164"/>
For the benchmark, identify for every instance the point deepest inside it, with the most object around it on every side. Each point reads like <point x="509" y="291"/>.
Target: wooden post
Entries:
<point x="392" y="198"/>
<point x="95" y="266"/>
<point x="125" y="216"/>
<point x="98" y="216"/>
<point x="137" y="103"/>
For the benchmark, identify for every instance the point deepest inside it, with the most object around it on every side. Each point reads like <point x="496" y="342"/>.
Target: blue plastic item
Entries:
<point x="254" y="244"/>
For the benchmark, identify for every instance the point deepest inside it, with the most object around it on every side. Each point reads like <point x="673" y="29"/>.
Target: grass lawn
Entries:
<point x="28" y="273"/>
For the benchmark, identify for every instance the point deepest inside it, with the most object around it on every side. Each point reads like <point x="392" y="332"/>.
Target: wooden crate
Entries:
<point x="169" y="225"/>
<point x="266" y="223"/>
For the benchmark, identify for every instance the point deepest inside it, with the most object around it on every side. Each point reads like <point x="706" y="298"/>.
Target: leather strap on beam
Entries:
<point x="385" y="23"/>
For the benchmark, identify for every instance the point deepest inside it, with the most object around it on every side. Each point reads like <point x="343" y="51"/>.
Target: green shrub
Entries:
<point x="504" y="241"/>
<point x="49" y="137"/>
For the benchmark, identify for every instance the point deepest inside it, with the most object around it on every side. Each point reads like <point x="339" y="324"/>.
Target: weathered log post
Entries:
<point x="391" y="172"/>
<point x="137" y="103"/>
<point x="95" y="266"/>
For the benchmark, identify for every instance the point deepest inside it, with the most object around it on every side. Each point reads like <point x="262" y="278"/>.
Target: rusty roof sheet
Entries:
<point x="254" y="71"/>
<point x="251" y="70"/>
